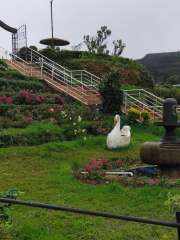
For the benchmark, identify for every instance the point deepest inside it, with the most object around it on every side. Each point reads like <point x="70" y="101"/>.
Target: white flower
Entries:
<point x="79" y="118"/>
<point x="74" y="124"/>
<point x="52" y="109"/>
<point x="47" y="131"/>
<point x="84" y="138"/>
<point x="70" y="118"/>
<point x="83" y="130"/>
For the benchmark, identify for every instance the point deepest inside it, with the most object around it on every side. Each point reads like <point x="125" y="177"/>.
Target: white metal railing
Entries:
<point x="79" y="77"/>
<point x="81" y="83"/>
<point x="143" y="100"/>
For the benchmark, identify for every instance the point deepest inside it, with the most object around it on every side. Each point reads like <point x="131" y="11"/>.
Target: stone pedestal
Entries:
<point x="166" y="156"/>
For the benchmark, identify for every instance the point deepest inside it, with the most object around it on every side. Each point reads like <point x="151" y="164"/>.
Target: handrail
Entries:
<point x="144" y="91"/>
<point x="37" y="53"/>
<point x="131" y="100"/>
<point x="100" y="214"/>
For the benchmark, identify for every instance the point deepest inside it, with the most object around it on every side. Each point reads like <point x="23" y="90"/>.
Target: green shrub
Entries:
<point x="35" y="134"/>
<point x="13" y="74"/>
<point x="49" y="53"/>
<point x="33" y="47"/>
<point x="145" y="115"/>
<point x="20" y="85"/>
<point x="3" y="65"/>
<point x="133" y="114"/>
<point x="111" y="91"/>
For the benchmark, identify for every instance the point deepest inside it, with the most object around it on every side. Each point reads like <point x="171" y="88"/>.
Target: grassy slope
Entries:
<point x="43" y="174"/>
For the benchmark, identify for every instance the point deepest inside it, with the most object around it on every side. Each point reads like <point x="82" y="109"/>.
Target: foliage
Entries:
<point x="33" y="47"/>
<point x="133" y="114"/>
<point x="3" y="65"/>
<point x="35" y="134"/>
<point x="118" y="47"/>
<point x="111" y="91"/>
<point x="12" y="74"/>
<point x="4" y="207"/>
<point x="173" y="202"/>
<point x="49" y="53"/>
<point x="28" y="98"/>
<point x="95" y="169"/>
<point x="145" y="115"/>
<point x="23" y="54"/>
<point x="99" y="128"/>
<point x="97" y="44"/>
<point x="20" y="84"/>
<point x="168" y="91"/>
<point x="175" y="79"/>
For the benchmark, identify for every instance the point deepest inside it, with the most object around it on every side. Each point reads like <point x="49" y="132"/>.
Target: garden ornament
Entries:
<point x="118" y="138"/>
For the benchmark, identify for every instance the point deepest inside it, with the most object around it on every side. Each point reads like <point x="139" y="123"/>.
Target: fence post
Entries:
<point x="178" y="221"/>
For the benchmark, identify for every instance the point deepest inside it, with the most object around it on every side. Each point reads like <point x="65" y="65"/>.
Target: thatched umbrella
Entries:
<point x="56" y="42"/>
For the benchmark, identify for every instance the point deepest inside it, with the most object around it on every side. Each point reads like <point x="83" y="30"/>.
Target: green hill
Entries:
<point x="162" y="65"/>
<point x="101" y="64"/>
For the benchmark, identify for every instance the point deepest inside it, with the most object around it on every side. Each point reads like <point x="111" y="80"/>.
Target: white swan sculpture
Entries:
<point x="118" y="138"/>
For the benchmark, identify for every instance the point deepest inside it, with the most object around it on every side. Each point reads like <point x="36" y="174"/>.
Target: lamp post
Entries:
<point x="52" y="25"/>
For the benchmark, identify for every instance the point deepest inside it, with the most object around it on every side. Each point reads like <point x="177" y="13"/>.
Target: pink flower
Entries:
<point x="142" y="182"/>
<point x="61" y="99"/>
<point x="88" y="169"/>
<point x="103" y="171"/>
<point x="60" y="107"/>
<point x="153" y="183"/>
<point x="111" y="153"/>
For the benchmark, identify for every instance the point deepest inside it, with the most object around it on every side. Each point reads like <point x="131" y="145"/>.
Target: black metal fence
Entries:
<point x="99" y="214"/>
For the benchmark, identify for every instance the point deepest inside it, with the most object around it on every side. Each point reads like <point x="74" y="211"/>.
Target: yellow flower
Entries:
<point x="165" y="236"/>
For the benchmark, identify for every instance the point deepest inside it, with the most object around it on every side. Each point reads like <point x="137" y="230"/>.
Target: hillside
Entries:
<point x="101" y="64"/>
<point x="162" y="65"/>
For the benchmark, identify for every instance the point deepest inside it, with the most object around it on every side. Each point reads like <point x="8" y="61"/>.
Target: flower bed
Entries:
<point x="95" y="172"/>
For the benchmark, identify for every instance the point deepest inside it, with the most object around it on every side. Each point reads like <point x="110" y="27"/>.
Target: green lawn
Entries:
<point x="43" y="174"/>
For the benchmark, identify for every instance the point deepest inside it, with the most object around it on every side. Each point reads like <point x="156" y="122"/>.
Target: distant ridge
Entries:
<point x="160" y="61"/>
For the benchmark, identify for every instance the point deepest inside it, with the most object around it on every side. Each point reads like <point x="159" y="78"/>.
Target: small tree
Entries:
<point x="111" y="91"/>
<point x="98" y="44"/>
<point x="118" y="47"/>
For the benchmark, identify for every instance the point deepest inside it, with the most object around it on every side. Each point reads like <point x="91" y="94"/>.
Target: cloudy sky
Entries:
<point x="145" y="26"/>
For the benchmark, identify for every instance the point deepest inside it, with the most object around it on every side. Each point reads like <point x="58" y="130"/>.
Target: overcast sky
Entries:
<point x="145" y="26"/>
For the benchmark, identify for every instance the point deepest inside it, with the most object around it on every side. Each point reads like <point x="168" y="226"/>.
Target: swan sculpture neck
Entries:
<point x="117" y="119"/>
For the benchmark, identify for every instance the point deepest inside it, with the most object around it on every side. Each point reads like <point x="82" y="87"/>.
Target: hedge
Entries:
<point x="18" y="85"/>
<point x="33" y="135"/>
